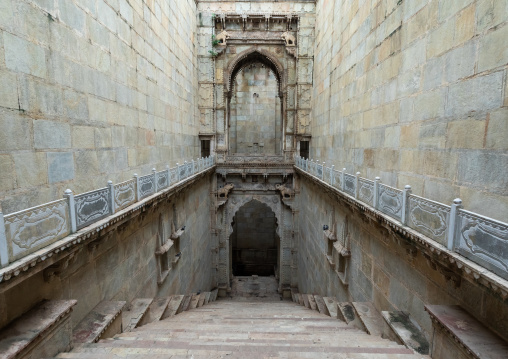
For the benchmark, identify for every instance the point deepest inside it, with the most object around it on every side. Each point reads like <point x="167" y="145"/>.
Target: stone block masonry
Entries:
<point x="415" y="92"/>
<point x="92" y="91"/>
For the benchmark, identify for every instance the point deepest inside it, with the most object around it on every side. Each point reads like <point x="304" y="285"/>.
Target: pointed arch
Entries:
<point x="252" y="55"/>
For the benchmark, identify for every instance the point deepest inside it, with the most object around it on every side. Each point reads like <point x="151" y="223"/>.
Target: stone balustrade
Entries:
<point x="478" y="238"/>
<point x="25" y="232"/>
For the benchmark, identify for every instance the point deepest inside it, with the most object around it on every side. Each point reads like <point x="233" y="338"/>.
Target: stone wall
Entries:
<point x="255" y="113"/>
<point x="92" y="91"/>
<point x="387" y="271"/>
<point x="416" y="92"/>
<point x="121" y="263"/>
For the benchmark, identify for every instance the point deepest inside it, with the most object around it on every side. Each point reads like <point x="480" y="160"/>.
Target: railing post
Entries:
<point x="72" y="209"/>
<point x="136" y="178"/>
<point x="111" y="187"/>
<point x="4" y="250"/>
<point x="454" y="219"/>
<point x="155" y="182"/>
<point x="332" y="176"/>
<point x="343" y="185"/>
<point x="185" y="167"/>
<point x="168" y="175"/>
<point x="357" y="184"/>
<point x="177" y="172"/>
<point x="376" y="191"/>
<point x="193" y="167"/>
<point x="405" y="204"/>
<point x="323" y="171"/>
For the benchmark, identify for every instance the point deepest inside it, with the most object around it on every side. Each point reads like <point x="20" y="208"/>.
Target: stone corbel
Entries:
<point x="286" y="192"/>
<point x="177" y="234"/>
<point x="56" y="270"/>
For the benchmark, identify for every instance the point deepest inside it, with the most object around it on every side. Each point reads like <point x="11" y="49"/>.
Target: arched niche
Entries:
<point x="267" y="59"/>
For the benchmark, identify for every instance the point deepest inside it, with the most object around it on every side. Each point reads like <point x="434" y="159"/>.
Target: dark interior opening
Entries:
<point x="254" y="241"/>
<point x="205" y="148"/>
<point x="304" y="149"/>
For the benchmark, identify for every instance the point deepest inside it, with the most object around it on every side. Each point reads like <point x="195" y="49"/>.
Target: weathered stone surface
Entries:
<point x="31" y="169"/>
<point x="24" y="56"/>
<point x="7" y="180"/>
<point x="478" y="94"/>
<point x="51" y="134"/>
<point x="60" y="166"/>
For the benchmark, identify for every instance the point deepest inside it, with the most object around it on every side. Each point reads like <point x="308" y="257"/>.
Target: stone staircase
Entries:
<point x="248" y="328"/>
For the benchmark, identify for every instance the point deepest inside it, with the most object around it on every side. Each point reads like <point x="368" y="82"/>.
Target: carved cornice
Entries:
<point x="448" y="263"/>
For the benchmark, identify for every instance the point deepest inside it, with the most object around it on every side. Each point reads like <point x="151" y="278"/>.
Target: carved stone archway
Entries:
<point x="255" y="54"/>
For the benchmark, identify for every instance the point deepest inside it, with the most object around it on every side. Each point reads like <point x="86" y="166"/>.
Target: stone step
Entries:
<point x="407" y="331"/>
<point x="246" y="329"/>
<point x="294" y="293"/>
<point x="312" y="302"/>
<point x="104" y="321"/>
<point x="299" y="299"/>
<point x="134" y="312"/>
<point x="371" y="319"/>
<point x="155" y="310"/>
<point x="213" y="295"/>
<point x="331" y="305"/>
<point x="201" y="300"/>
<point x="165" y="353"/>
<point x="317" y="338"/>
<point x="194" y="301"/>
<point x="347" y="313"/>
<point x="207" y="298"/>
<point x="185" y="304"/>
<point x="321" y="305"/>
<point x="173" y="306"/>
<point x="306" y="302"/>
<point x="47" y="323"/>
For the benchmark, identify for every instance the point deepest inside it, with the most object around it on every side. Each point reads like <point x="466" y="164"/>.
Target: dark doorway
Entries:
<point x="205" y="148"/>
<point x="254" y="241"/>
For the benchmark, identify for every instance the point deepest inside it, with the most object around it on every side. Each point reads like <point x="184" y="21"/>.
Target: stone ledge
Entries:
<point x="38" y="261"/>
<point x="25" y="333"/>
<point x="429" y="247"/>
<point x="469" y="334"/>
<point x="95" y="324"/>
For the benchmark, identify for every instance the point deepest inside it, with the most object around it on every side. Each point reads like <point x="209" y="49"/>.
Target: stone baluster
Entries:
<point x="376" y="191"/>
<point x="111" y="188"/>
<point x="357" y="184"/>
<point x="342" y="177"/>
<point x="332" y="175"/>
<point x="177" y="172"/>
<point x="4" y="253"/>
<point x="72" y="209"/>
<point x="136" y="178"/>
<point x="405" y="204"/>
<point x="323" y="171"/>
<point x="454" y="219"/>
<point x="155" y="182"/>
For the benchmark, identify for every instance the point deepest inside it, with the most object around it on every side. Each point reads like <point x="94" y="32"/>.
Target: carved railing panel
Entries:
<point x="29" y="230"/>
<point x="366" y="191"/>
<point x="349" y="184"/>
<point x="429" y="217"/>
<point x="146" y="186"/>
<point x="92" y="206"/>
<point x="483" y="240"/>
<point x="390" y="201"/>
<point x="337" y="179"/>
<point x="125" y="194"/>
<point x="173" y="175"/>
<point x="162" y="179"/>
